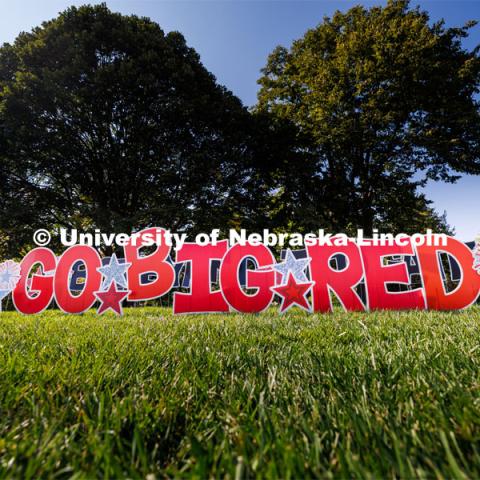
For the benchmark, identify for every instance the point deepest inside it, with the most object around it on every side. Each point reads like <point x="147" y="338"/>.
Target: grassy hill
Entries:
<point x="149" y="394"/>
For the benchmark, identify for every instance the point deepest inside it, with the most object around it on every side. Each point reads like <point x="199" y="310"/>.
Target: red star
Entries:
<point x="111" y="299"/>
<point x="293" y="293"/>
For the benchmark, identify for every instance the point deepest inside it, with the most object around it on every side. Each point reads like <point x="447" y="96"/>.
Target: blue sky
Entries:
<point x="234" y="38"/>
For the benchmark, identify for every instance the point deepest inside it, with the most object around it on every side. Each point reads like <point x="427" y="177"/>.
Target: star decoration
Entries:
<point x="114" y="272"/>
<point x="476" y="255"/>
<point x="9" y="275"/>
<point x="293" y="293"/>
<point x="294" y="265"/>
<point x="111" y="299"/>
<point x="5" y="276"/>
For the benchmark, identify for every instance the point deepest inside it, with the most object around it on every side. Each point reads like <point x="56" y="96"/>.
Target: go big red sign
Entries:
<point x="243" y="277"/>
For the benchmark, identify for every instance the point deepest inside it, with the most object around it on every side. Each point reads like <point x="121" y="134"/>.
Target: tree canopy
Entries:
<point x="106" y="122"/>
<point x="382" y="100"/>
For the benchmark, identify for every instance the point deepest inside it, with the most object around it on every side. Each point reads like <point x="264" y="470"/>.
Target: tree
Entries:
<point x="106" y="122"/>
<point x="382" y="101"/>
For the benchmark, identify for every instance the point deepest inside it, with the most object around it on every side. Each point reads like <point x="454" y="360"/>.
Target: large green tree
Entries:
<point x="382" y="100"/>
<point x="106" y="122"/>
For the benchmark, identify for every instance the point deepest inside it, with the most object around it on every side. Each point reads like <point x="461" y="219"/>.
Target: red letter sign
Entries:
<point x="262" y="281"/>
<point x="153" y="263"/>
<point x="468" y="288"/>
<point x="82" y="302"/>
<point x="41" y="286"/>
<point x="378" y="275"/>
<point x="201" y="299"/>
<point x="341" y="282"/>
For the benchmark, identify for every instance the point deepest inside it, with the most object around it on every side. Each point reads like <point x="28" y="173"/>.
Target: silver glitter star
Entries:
<point x="114" y="272"/>
<point x="291" y="264"/>
<point x="9" y="275"/>
<point x="476" y="254"/>
<point x="6" y="276"/>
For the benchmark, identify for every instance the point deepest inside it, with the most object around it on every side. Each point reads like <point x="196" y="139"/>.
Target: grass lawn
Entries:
<point x="149" y="394"/>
